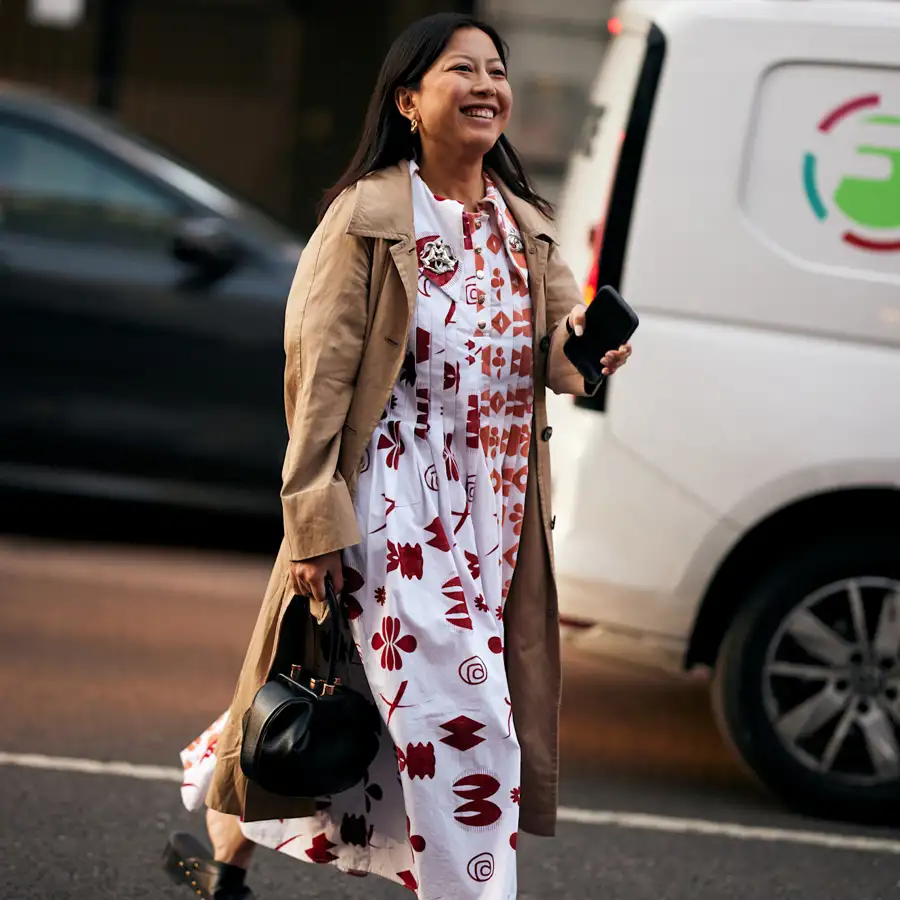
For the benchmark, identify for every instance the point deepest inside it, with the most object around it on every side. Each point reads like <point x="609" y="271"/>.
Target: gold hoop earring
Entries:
<point x="414" y="126"/>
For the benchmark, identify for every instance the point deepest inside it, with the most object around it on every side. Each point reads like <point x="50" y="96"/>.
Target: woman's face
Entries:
<point x="464" y="100"/>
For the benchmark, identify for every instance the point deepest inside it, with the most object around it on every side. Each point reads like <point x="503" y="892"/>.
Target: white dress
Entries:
<point x="440" y="504"/>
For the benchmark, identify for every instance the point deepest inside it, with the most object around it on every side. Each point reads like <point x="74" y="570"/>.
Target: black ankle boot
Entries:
<point x="187" y="862"/>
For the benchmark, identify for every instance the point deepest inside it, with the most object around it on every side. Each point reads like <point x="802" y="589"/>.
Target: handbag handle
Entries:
<point x="334" y="609"/>
<point x="327" y="684"/>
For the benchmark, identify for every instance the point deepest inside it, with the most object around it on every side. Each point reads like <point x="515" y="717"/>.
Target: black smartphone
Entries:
<point x="610" y="322"/>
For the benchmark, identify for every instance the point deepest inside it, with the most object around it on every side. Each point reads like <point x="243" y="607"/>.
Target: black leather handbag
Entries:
<point x="309" y="737"/>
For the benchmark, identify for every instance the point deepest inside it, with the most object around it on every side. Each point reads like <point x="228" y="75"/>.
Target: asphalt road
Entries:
<point x="114" y="652"/>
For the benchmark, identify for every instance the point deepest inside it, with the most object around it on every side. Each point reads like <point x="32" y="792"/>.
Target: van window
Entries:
<point x="604" y="180"/>
<point x="592" y="167"/>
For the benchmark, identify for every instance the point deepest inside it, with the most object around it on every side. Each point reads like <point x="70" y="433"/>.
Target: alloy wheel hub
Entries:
<point x="867" y="681"/>
<point x="831" y="681"/>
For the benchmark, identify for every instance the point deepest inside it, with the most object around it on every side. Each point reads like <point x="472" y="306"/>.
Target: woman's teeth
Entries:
<point x="477" y="113"/>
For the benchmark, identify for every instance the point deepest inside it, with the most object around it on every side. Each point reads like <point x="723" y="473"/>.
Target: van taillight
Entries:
<point x="614" y="26"/>
<point x="595" y="239"/>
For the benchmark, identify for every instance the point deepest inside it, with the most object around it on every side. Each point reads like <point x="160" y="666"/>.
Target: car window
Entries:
<point x="52" y="184"/>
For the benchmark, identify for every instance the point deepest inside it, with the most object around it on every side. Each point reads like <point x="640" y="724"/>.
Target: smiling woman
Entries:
<point x="427" y="316"/>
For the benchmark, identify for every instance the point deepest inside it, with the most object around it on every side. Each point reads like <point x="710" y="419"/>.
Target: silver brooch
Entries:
<point x="437" y="257"/>
<point x="515" y="243"/>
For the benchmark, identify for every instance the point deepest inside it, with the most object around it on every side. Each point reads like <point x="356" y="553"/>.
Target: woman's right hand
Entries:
<point x="309" y="575"/>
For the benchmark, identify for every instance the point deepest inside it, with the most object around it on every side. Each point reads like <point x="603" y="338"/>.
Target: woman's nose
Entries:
<point x="485" y="86"/>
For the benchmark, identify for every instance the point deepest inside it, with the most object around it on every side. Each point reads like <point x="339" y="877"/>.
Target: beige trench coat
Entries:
<point x="346" y="326"/>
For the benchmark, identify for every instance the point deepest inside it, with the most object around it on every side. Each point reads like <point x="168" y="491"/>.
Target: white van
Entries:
<point x="732" y="499"/>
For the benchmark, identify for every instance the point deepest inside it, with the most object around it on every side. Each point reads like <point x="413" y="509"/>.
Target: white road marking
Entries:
<point x="91" y="767"/>
<point x="729" y="829"/>
<point x="639" y="821"/>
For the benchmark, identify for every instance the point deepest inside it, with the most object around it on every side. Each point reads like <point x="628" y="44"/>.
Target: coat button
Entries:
<point x="532" y="249"/>
<point x="553" y="523"/>
<point x="547" y="433"/>
<point x="545" y="343"/>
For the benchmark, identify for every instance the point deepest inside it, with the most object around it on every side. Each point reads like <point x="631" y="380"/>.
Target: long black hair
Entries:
<point x="386" y="137"/>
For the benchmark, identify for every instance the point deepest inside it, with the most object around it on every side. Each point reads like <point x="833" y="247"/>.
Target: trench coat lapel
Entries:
<point x="383" y="209"/>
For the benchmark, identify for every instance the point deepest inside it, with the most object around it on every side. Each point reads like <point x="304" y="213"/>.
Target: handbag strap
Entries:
<point x="334" y="610"/>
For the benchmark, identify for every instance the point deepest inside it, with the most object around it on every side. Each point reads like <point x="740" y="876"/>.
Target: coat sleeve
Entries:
<point x="563" y="294"/>
<point x="325" y="325"/>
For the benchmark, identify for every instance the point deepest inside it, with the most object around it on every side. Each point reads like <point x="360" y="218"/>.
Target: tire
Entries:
<point x="749" y="700"/>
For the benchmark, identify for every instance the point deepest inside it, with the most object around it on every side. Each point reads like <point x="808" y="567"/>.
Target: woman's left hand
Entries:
<point x="613" y="359"/>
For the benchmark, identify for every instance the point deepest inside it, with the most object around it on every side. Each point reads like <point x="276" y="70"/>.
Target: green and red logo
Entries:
<point x="870" y="205"/>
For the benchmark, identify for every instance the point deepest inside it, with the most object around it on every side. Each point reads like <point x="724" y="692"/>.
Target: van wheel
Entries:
<point x="807" y="681"/>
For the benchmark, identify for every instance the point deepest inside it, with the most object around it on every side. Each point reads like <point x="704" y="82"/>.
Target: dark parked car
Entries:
<point x="141" y="316"/>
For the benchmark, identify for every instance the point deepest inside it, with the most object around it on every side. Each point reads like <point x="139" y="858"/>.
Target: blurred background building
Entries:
<point x="555" y="49"/>
<point x="267" y="96"/>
